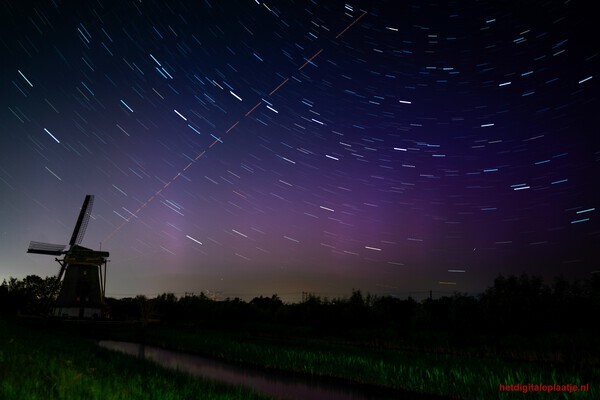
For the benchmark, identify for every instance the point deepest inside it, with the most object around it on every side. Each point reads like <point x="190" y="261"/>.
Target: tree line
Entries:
<point x="513" y="304"/>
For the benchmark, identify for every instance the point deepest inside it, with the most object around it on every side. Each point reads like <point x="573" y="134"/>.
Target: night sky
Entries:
<point x="247" y="148"/>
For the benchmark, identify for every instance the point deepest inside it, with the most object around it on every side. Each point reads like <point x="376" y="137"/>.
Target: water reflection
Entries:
<point x="278" y="385"/>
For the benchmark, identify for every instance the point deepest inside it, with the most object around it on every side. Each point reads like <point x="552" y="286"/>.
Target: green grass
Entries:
<point x="53" y="365"/>
<point x="43" y="364"/>
<point x="446" y="374"/>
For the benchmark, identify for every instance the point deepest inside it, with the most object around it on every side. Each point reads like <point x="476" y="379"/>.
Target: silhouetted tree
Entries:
<point x="267" y="308"/>
<point x="516" y="304"/>
<point x="395" y="312"/>
<point x="31" y="295"/>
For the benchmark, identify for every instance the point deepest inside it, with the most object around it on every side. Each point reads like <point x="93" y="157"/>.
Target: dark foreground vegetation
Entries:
<point x="50" y="364"/>
<point x="521" y="305"/>
<point x="519" y="331"/>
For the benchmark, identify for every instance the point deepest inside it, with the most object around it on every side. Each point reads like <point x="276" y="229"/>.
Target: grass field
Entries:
<point x="464" y="375"/>
<point x="41" y="364"/>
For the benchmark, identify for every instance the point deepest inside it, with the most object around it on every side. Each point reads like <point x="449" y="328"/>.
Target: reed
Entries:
<point x="445" y="373"/>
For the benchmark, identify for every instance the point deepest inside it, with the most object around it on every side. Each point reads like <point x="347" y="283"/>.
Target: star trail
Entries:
<point x="251" y="148"/>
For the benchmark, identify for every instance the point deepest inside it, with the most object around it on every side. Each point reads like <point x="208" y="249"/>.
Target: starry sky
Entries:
<point x="247" y="148"/>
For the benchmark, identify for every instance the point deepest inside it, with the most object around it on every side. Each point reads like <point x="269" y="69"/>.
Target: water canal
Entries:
<point x="272" y="383"/>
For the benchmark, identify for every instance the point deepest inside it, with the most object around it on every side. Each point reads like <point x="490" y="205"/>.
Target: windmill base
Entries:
<point x="78" y="312"/>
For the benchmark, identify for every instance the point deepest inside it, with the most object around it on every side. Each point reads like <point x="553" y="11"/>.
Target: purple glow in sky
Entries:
<point x="247" y="148"/>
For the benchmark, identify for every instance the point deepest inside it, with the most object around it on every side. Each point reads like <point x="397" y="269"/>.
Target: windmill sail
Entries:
<point x="46" y="248"/>
<point x="82" y="220"/>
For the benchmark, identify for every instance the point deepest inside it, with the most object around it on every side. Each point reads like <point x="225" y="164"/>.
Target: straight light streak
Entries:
<point x="372" y="248"/>
<point x="580" y="220"/>
<point x="239" y="233"/>
<point x="51" y="135"/>
<point x="178" y="113"/>
<point x="125" y="104"/>
<point x="241" y="256"/>
<point x="56" y="176"/>
<point x="123" y="130"/>
<point x="167" y="250"/>
<point x="121" y="216"/>
<point x="133" y="215"/>
<point x="235" y="95"/>
<point x="124" y="194"/>
<point x="216" y="138"/>
<point x="155" y="60"/>
<point x="192" y="239"/>
<point x="353" y="22"/>
<point x="586" y="210"/>
<point x="31" y="84"/>
<point x="173" y="208"/>
<point x="194" y="129"/>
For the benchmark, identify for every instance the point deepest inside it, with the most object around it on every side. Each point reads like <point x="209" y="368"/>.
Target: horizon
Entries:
<point x="418" y="296"/>
<point x="249" y="149"/>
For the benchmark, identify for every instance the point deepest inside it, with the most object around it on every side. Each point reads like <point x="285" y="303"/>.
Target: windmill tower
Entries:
<point x="83" y="281"/>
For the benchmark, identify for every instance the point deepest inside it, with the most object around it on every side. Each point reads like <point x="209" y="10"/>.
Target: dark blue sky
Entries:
<point x="250" y="147"/>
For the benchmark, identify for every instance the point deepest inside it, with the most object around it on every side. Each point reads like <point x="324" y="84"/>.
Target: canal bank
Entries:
<point x="278" y="384"/>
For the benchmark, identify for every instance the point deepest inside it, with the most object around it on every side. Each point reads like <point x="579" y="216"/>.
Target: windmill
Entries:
<point x="83" y="281"/>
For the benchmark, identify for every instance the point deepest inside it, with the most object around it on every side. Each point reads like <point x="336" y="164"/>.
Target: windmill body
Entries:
<point x="81" y="277"/>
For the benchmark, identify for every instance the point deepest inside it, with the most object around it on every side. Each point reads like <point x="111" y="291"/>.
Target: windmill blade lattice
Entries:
<point x="82" y="220"/>
<point x="46" y="248"/>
